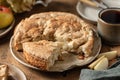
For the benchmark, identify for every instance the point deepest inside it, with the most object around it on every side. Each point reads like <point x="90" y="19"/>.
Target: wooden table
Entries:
<point x="31" y="74"/>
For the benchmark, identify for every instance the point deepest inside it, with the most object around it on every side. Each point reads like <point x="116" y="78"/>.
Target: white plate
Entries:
<point x="4" y="31"/>
<point x="70" y="61"/>
<point x="15" y="72"/>
<point x="91" y="13"/>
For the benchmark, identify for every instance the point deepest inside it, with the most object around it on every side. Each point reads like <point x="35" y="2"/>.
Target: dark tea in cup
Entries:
<point x="111" y="16"/>
<point x="109" y="25"/>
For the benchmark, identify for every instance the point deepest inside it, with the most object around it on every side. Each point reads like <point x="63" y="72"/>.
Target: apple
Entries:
<point x="93" y="64"/>
<point x="102" y="65"/>
<point x="110" y="55"/>
<point x="6" y="17"/>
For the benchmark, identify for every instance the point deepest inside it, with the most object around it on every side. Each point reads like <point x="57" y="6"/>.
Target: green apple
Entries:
<point x="6" y="17"/>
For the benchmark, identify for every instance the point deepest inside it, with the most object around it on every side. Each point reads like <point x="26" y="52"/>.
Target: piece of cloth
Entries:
<point x="112" y="73"/>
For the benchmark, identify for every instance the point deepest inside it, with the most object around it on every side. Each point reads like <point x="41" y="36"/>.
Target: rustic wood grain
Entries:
<point x="31" y="74"/>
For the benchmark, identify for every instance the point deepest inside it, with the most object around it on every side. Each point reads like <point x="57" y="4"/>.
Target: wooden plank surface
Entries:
<point x="31" y="74"/>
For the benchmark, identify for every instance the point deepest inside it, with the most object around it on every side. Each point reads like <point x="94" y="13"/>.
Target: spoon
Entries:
<point x="95" y="3"/>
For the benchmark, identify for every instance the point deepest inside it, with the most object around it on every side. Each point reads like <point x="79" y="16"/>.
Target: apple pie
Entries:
<point x="3" y="72"/>
<point x="43" y="37"/>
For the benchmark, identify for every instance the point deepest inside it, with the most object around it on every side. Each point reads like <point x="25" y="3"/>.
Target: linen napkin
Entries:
<point x="112" y="73"/>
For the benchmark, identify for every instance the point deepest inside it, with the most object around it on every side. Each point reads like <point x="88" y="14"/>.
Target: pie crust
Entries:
<point x="52" y="34"/>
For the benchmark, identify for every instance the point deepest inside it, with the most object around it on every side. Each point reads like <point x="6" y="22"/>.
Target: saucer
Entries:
<point x="91" y="13"/>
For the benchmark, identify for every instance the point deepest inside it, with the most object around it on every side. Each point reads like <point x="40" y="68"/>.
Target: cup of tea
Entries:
<point x="108" y="25"/>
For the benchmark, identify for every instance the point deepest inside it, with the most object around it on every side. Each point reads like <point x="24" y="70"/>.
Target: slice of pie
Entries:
<point x="42" y="54"/>
<point x="3" y="72"/>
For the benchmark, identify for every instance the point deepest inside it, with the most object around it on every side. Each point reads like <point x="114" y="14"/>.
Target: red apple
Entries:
<point x="6" y="17"/>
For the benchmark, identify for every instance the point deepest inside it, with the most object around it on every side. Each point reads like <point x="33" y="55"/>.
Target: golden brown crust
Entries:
<point x="36" y="61"/>
<point x="41" y="54"/>
<point x="70" y="32"/>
